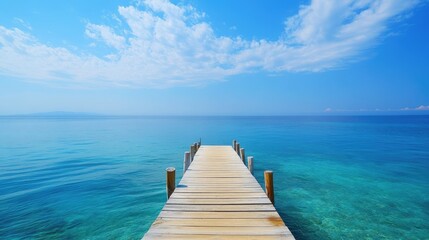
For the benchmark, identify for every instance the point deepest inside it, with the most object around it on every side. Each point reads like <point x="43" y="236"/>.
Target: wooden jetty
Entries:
<point x="218" y="198"/>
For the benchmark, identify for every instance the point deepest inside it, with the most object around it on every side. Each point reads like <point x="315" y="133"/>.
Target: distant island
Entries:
<point x="56" y="114"/>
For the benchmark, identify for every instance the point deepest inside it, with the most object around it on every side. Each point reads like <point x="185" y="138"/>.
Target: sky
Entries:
<point x="190" y="57"/>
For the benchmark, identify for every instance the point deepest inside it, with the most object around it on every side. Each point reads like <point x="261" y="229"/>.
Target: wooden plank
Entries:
<point x="190" y="184"/>
<point x="219" y="230"/>
<point x="219" y="208"/>
<point x="217" y="237"/>
<point x="218" y="198"/>
<point x="217" y="184"/>
<point x="213" y="186"/>
<point x="219" y="201"/>
<point x="216" y="174"/>
<point x="219" y="195"/>
<point x="197" y="189"/>
<point x="221" y="215"/>
<point x="220" y="180"/>
<point x="231" y="222"/>
<point x="219" y="167"/>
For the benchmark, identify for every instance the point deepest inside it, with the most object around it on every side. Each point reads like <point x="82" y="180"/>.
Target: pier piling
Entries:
<point x="250" y="164"/>
<point x="269" y="185"/>
<point x="171" y="181"/>
<point x="192" y="152"/>
<point x="242" y="154"/>
<point x="186" y="161"/>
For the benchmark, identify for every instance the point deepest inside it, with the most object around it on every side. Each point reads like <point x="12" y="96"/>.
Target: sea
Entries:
<point x="100" y="177"/>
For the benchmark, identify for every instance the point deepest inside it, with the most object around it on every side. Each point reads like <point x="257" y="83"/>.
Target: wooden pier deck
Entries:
<point x="218" y="198"/>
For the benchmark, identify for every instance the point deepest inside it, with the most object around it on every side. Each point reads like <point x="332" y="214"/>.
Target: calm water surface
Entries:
<point x="103" y="178"/>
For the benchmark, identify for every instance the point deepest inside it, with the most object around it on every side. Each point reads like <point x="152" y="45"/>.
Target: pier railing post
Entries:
<point x="186" y="161"/>
<point x="171" y="181"/>
<point x="237" y="148"/>
<point x="196" y="147"/>
<point x="242" y="154"/>
<point x="250" y="164"/>
<point x="192" y="152"/>
<point x="234" y="143"/>
<point x="269" y="185"/>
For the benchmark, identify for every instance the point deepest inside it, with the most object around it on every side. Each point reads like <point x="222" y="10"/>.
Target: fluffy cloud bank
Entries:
<point x="168" y="45"/>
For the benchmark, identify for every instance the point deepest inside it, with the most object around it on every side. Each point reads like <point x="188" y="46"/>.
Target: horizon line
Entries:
<point x="98" y="115"/>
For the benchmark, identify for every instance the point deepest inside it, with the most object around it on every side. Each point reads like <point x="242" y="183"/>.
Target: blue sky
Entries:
<point x="222" y="57"/>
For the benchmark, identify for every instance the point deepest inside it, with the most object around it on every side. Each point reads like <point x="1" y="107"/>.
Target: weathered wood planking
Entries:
<point x="218" y="198"/>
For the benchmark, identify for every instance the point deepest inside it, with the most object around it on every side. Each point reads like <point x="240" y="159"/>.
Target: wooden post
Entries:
<point x="199" y="144"/>
<point x="269" y="185"/>
<point x="186" y="161"/>
<point x="171" y="181"/>
<point x="242" y="155"/>
<point x="192" y="152"/>
<point x="196" y="147"/>
<point x="250" y="164"/>
<point x="234" y="143"/>
<point x="237" y="148"/>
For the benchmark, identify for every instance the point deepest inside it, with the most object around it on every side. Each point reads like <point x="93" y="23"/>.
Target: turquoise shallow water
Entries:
<point x="103" y="178"/>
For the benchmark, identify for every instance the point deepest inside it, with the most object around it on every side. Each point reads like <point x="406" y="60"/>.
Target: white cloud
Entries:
<point x="165" y="45"/>
<point x="423" y="108"/>
<point x="419" y="108"/>
<point x="23" y="23"/>
<point x="105" y="34"/>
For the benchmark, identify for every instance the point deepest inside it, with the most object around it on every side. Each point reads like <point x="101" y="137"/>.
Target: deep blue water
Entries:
<point x="103" y="178"/>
